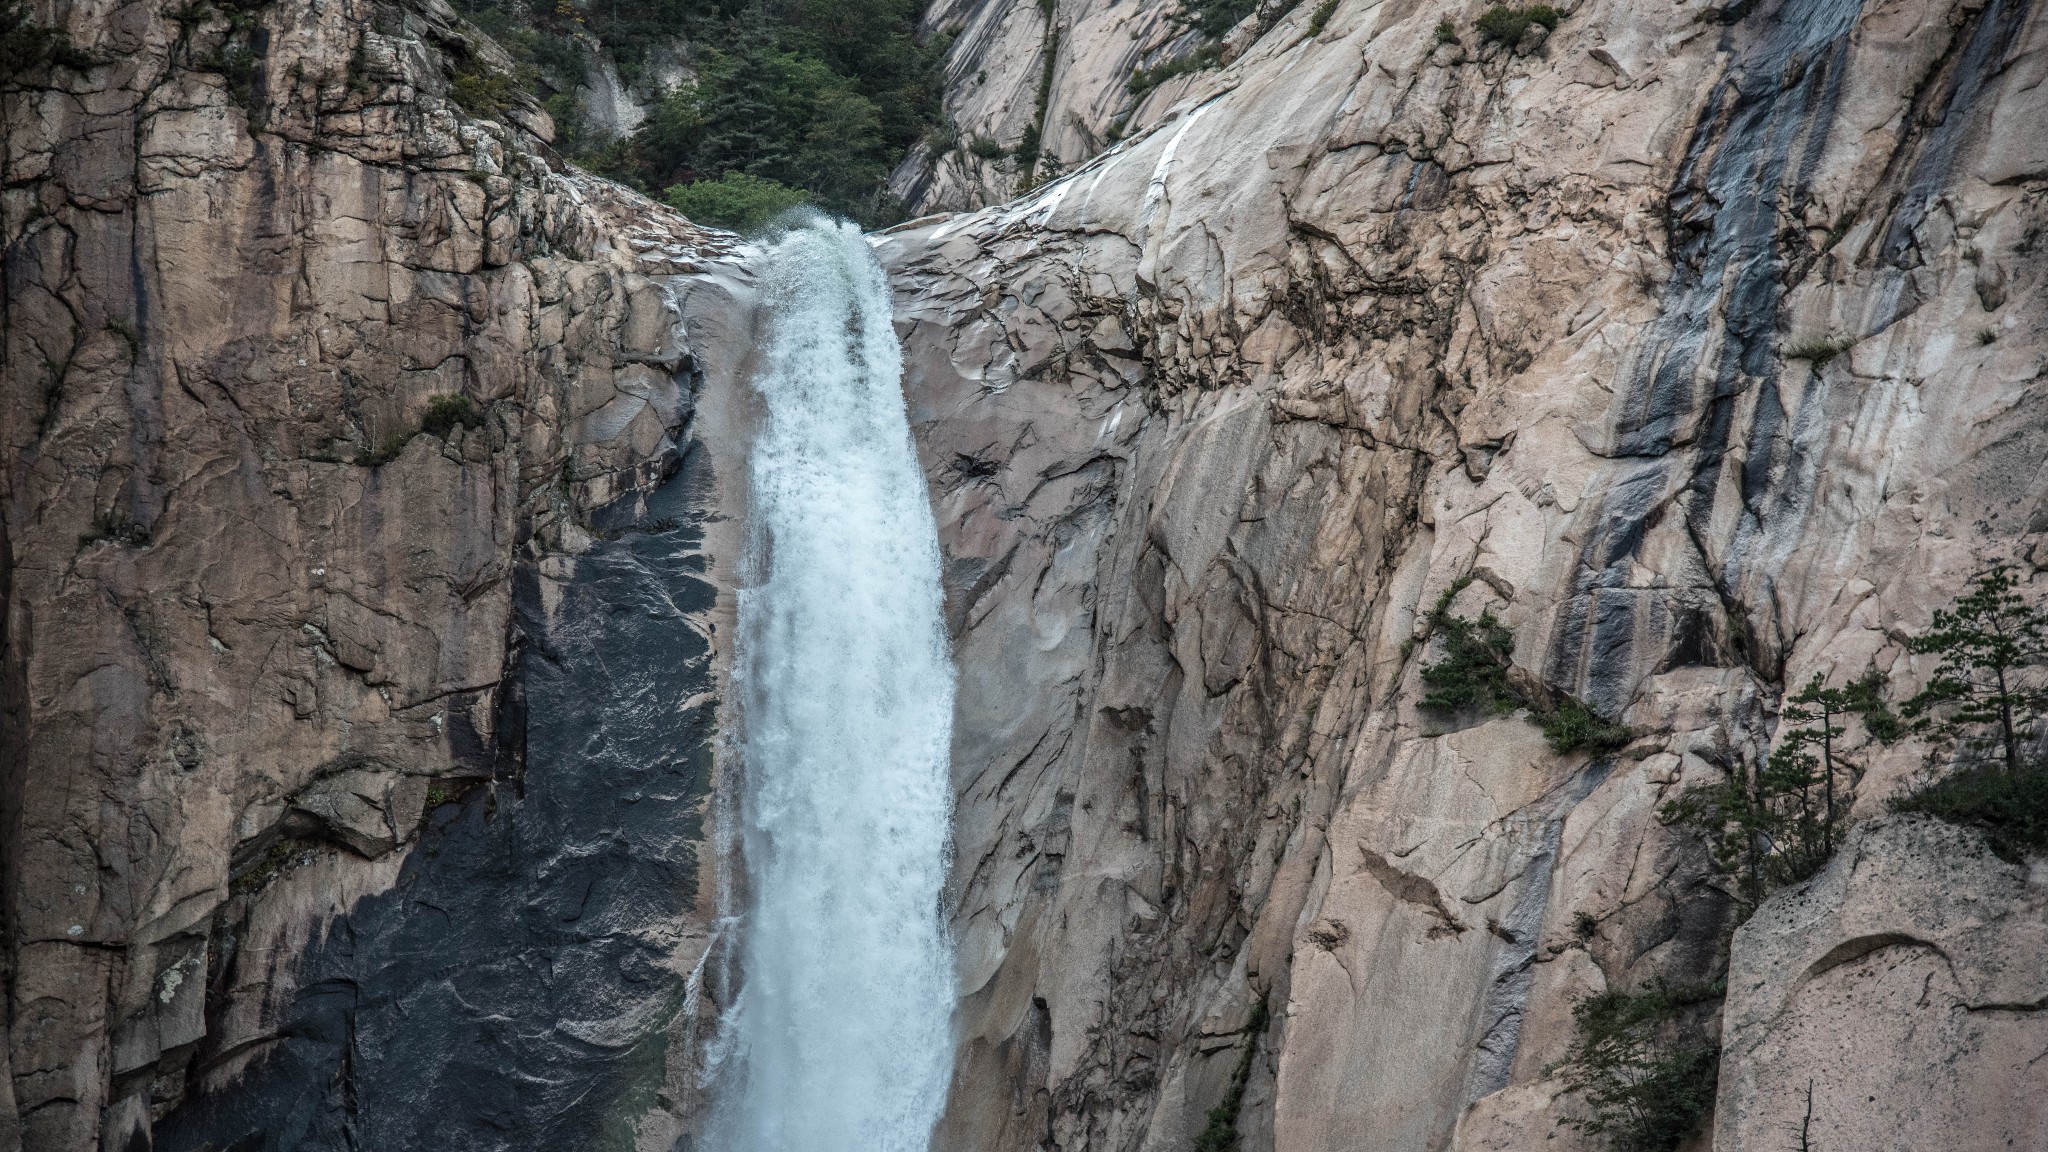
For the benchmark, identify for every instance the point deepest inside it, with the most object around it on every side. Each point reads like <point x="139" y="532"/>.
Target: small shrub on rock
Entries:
<point x="1215" y="17"/>
<point x="1506" y="24"/>
<point x="26" y="45"/>
<point x="1472" y="675"/>
<point x="1643" y="1066"/>
<point x="1473" y="672"/>
<point x="1574" y="726"/>
<point x="1818" y="351"/>
<point x="114" y="524"/>
<point x="2010" y="808"/>
<point x="1144" y="80"/>
<point x="445" y="413"/>
<point x="482" y="92"/>
<point x="736" y="201"/>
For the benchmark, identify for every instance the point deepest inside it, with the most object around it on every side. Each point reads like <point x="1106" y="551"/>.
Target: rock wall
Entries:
<point x="356" y="738"/>
<point x="1700" y="343"/>
<point x="1033" y="90"/>
<point x="1895" y="1002"/>
<point x="1018" y="72"/>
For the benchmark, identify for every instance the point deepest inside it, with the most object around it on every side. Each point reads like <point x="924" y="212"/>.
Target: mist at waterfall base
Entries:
<point x="840" y="1037"/>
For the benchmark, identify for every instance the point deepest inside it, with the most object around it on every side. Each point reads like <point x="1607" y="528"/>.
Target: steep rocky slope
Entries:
<point x="357" y="672"/>
<point x="1702" y="344"/>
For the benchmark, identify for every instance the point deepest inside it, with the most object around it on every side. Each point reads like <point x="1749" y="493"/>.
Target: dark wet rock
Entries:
<point x="516" y="984"/>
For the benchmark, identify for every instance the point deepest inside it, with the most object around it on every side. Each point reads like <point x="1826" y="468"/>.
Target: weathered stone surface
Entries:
<point x="1899" y="1000"/>
<point x="260" y="626"/>
<point x="1082" y="52"/>
<point x="1670" y="329"/>
<point x="527" y="968"/>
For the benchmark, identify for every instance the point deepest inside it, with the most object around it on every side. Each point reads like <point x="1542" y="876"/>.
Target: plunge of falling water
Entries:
<point x="841" y="1035"/>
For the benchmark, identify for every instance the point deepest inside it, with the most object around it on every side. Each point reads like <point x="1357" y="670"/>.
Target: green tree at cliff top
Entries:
<point x="825" y="96"/>
<point x="822" y="96"/>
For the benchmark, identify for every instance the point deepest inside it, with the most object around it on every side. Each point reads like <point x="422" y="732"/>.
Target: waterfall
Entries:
<point x="841" y="1033"/>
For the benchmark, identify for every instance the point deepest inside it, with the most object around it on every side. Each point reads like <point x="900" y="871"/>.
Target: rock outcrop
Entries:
<point x="1894" y="1002"/>
<point x="357" y="673"/>
<point x="1701" y="344"/>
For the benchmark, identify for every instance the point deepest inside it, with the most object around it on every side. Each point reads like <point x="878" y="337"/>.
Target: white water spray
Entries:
<point x="842" y="1032"/>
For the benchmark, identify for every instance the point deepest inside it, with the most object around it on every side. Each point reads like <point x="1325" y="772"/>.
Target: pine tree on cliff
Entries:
<point x="1862" y="697"/>
<point x="1982" y="696"/>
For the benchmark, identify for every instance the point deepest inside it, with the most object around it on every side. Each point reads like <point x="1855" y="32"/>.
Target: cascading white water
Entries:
<point x="842" y="1032"/>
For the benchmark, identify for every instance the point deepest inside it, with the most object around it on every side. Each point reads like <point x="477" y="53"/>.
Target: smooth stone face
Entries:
<point x="523" y="970"/>
<point x="345" y="761"/>
<point x="1214" y="421"/>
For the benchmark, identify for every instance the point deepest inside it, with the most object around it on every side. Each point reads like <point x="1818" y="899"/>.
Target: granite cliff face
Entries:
<point x="357" y="676"/>
<point x="1701" y="344"/>
<point x="356" y="743"/>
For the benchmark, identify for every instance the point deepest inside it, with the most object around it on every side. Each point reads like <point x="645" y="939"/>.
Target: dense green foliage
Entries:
<point x="823" y="96"/>
<point x="1507" y="25"/>
<point x="630" y="27"/>
<point x="736" y="200"/>
<point x="1644" y="1069"/>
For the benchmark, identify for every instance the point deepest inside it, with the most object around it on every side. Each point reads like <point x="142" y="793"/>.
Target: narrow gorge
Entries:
<point x="1265" y="613"/>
